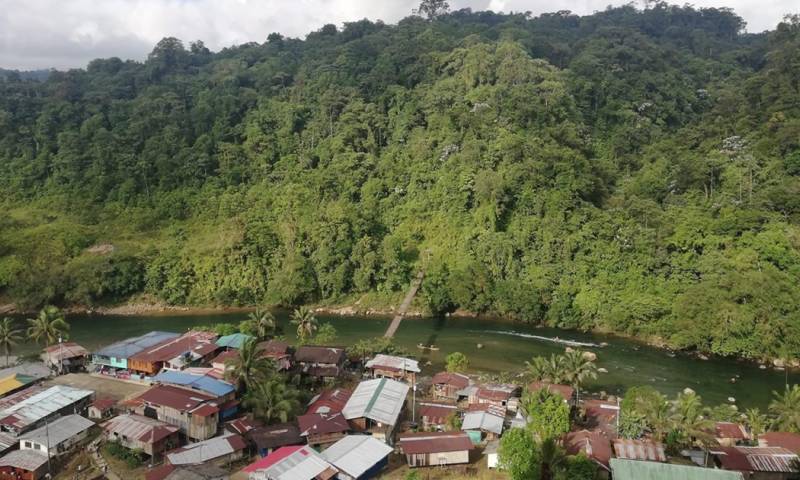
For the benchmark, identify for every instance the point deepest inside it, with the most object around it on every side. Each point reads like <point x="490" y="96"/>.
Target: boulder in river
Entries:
<point x="569" y="350"/>
<point x="602" y="370"/>
<point x="480" y="345"/>
<point x="688" y="391"/>
<point x="731" y="399"/>
<point x="778" y="362"/>
<point x="762" y="367"/>
<point x="702" y="357"/>
<point x="589" y="356"/>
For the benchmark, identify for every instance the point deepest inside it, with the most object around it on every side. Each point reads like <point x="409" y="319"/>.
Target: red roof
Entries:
<point x="487" y="407"/>
<point x="174" y="397"/>
<point x="436" y="412"/>
<point x="201" y="343"/>
<point x="320" y="424"/>
<point x="272" y="458"/>
<point x="330" y="401"/>
<point x="564" y="390"/>
<point x="104" y="404"/>
<point x="639" y="450"/>
<point x="496" y="393"/>
<point x="729" y="430"/>
<point x="225" y="356"/>
<point x="157" y="433"/>
<point x="756" y="459"/>
<point x="456" y="380"/>
<point x="594" y="444"/>
<point x="159" y="473"/>
<point x="787" y="440"/>
<point x="274" y="347"/>
<point x="434" y="442"/>
<point x="205" y="410"/>
<point x="243" y="425"/>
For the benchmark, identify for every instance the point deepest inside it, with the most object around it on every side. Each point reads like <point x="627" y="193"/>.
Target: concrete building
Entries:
<point x="375" y="407"/>
<point x="57" y="437"/>
<point x="432" y="449"/>
<point x="358" y="457"/>
<point x="149" y="435"/>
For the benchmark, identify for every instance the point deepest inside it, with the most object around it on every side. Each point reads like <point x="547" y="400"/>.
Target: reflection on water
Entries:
<point x="628" y="363"/>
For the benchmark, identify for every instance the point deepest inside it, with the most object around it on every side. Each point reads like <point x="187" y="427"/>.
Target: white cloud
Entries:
<point x="69" y="33"/>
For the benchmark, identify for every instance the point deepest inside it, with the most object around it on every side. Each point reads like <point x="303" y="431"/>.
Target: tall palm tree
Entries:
<point x="552" y="457"/>
<point x="272" y="399"/>
<point x="578" y="369"/>
<point x="264" y="323"/>
<point x="306" y="322"/>
<point x="549" y="369"/>
<point x="690" y="421"/>
<point x="757" y="422"/>
<point x="786" y="409"/>
<point x="9" y="336"/>
<point x="48" y="326"/>
<point x="249" y="367"/>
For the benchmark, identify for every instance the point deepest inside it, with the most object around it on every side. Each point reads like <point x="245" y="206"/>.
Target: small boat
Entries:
<point x="427" y="347"/>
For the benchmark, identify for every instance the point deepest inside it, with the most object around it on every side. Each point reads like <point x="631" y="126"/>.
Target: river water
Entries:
<point x="506" y="347"/>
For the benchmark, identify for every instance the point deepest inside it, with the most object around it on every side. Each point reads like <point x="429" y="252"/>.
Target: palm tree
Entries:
<point x="552" y="457"/>
<point x="690" y="421"/>
<point x="306" y="322"/>
<point x="786" y="409"/>
<point x="9" y="336"/>
<point x="550" y="369"/>
<point x="249" y="367"/>
<point x="577" y="369"/>
<point x="757" y="422"/>
<point x="48" y="327"/>
<point x="273" y="399"/>
<point x="264" y="323"/>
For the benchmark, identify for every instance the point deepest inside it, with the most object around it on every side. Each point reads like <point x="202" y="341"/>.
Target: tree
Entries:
<point x="552" y="458"/>
<point x="306" y="323"/>
<point x="546" y="369"/>
<point x="326" y="335"/>
<point x="578" y="367"/>
<point x="261" y="324"/>
<point x="519" y="454"/>
<point x="645" y="410"/>
<point x="757" y="422"/>
<point x="547" y="414"/>
<point x="785" y="409"/>
<point x="9" y="336"/>
<point x="272" y="399"/>
<point x="456" y="362"/>
<point x="48" y="326"/>
<point x="694" y="428"/>
<point x="432" y="9"/>
<point x="249" y="367"/>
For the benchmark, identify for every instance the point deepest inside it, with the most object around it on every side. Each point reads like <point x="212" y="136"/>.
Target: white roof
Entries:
<point x="203" y="451"/>
<point x="380" y="400"/>
<point x="43" y="404"/>
<point x="304" y="464"/>
<point x="400" y="363"/>
<point x="355" y="454"/>
<point x="483" y="421"/>
<point x="58" y="431"/>
<point x="25" y="459"/>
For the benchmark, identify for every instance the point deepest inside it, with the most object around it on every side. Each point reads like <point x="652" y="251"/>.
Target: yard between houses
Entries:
<point x="104" y="387"/>
<point x="476" y="469"/>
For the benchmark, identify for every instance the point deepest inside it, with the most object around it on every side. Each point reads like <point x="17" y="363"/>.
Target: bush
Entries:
<point x="132" y="458"/>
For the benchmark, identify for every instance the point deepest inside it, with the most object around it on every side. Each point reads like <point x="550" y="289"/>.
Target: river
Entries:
<point x="628" y="362"/>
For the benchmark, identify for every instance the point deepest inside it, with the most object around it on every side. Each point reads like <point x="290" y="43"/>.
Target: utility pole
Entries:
<point x="60" y="356"/>
<point x="47" y="436"/>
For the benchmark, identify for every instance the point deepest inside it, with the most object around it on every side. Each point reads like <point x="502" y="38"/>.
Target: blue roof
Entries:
<point x="235" y="340"/>
<point x="215" y="387"/>
<point x="131" y="346"/>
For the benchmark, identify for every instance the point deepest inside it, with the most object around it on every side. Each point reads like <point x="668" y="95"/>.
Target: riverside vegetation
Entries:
<point x="635" y="171"/>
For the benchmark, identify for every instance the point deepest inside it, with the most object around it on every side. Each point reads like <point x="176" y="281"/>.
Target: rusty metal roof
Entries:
<point x="639" y="450"/>
<point x="434" y="442"/>
<point x="143" y="429"/>
<point x="757" y="459"/>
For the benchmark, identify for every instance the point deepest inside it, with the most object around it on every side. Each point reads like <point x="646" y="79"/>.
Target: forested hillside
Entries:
<point x="636" y="171"/>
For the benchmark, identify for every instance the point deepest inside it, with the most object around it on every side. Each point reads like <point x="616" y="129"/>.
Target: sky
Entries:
<point x="66" y="34"/>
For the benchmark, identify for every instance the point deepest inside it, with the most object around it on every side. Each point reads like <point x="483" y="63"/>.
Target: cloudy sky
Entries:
<point x="68" y="33"/>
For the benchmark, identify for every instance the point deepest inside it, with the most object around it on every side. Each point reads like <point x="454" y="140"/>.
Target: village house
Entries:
<point x="23" y="465"/>
<point x="729" y="434"/>
<point x="329" y="401"/>
<point x="497" y="394"/>
<point x="14" y="383"/>
<point x="234" y="341"/>
<point x="295" y="463"/>
<point x="8" y="442"/>
<point x="222" y="450"/>
<point x="31" y="408"/>
<point x="189" y="349"/>
<point x="396" y="368"/>
<point x="758" y="463"/>
<point x="564" y="391"/>
<point x="323" y="363"/>
<point x="483" y="422"/>
<point x="269" y="438"/>
<point x="65" y="357"/>
<point x="225" y="361"/>
<point x="115" y="356"/>
<point x="242" y="426"/>
<point x="322" y="428"/>
<point x="492" y="452"/>
<point x="219" y="390"/>
<point x="602" y="416"/>
<point x="435" y="415"/>
<point x="101" y="408"/>
<point x="187" y="472"/>
<point x="279" y="352"/>
<point x="434" y="449"/>
<point x="446" y="385"/>
<point x="136" y="432"/>
<point x="194" y="413"/>
<point x="358" y="457"/>
<point x="596" y="447"/>
<point x="57" y="437"/>
<point x="375" y="407"/>
<point x="639" y="450"/>
<point x="638" y="470"/>
<point x="787" y="440"/>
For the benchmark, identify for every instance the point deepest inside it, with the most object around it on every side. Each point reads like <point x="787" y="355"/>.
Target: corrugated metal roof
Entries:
<point x="436" y="412"/>
<point x="486" y="421"/>
<point x="641" y="470"/>
<point x="204" y="383"/>
<point x="59" y="430"/>
<point x="131" y="346"/>
<point x="202" y="342"/>
<point x="14" y="382"/>
<point x="174" y="397"/>
<point x="458" y="380"/>
<point x="277" y="435"/>
<point x="329" y="401"/>
<point x="757" y="459"/>
<point x="41" y="405"/>
<point x="380" y="400"/>
<point x="391" y="361"/>
<point x="355" y="454"/>
<point x="299" y="464"/>
<point x="319" y="354"/>
<point x="730" y="430"/>
<point x="7" y="441"/>
<point x="207" y="450"/>
<point x="234" y="340"/>
<point x="29" y="459"/>
<point x="434" y="442"/>
<point x="143" y="429"/>
<point x="322" y="423"/>
<point x="65" y="351"/>
<point x="639" y="450"/>
<point x="787" y="440"/>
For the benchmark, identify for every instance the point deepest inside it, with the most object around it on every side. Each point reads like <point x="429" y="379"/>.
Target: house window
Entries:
<point x="28" y="445"/>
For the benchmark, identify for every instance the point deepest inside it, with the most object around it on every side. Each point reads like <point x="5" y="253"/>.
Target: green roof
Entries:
<point x="235" y="340"/>
<point x="640" y="470"/>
